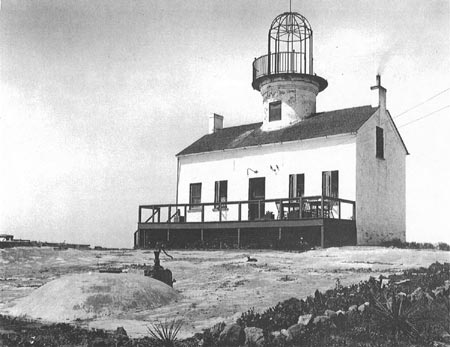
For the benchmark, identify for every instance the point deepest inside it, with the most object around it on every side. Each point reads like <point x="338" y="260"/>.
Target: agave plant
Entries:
<point x="166" y="333"/>
<point x="398" y="313"/>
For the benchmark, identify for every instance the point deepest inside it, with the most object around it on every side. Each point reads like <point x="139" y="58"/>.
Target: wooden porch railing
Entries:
<point x="311" y="207"/>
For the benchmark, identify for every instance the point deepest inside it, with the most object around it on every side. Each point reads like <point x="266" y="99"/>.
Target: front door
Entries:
<point x="256" y="191"/>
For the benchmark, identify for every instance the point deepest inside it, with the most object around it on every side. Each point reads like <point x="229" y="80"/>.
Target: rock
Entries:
<point x="361" y="308"/>
<point x="320" y="319"/>
<point x="232" y="335"/>
<point x="276" y="333"/>
<point x="295" y="331"/>
<point x="284" y="332"/>
<point x="254" y="337"/>
<point x="447" y="284"/>
<point x="384" y="282"/>
<point x="403" y="281"/>
<point x="305" y="319"/>
<point x="446" y="337"/>
<point x="340" y="313"/>
<point x="330" y="313"/>
<point x="353" y="308"/>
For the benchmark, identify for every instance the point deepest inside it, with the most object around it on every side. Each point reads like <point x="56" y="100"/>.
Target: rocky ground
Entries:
<point x="215" y="285"/>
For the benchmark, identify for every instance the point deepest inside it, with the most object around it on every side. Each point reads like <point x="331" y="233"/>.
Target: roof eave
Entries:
<point x="398" y="132"/>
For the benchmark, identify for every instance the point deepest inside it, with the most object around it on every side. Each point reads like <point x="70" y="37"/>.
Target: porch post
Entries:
<point x="170" y="214"/>
<point x="300" y="212"/>
<point x="239" y="237"/>
<point x="139" y="214"/>
<point x="240" y="212"/>
<point x="322" y="236"/>
<point x="279" y="234"/>
<point x="168" y="235"/>
<point x="321" y="208"/>
<point x="201" y="235"/>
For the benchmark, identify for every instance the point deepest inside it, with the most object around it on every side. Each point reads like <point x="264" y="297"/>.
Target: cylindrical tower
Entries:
<point x="285" y="76"/>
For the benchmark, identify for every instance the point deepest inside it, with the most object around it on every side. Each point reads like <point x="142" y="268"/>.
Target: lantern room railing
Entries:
<point x="283" y="62"/>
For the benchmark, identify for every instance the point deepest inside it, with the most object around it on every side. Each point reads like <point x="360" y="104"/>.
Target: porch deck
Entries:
<point x="321" y="220"/>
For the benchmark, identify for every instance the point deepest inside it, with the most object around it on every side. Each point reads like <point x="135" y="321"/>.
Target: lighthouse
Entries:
<point x="285" y="75"/>
<point x="330" y="178"/>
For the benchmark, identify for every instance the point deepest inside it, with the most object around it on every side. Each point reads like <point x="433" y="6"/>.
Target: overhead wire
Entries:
<point x="425" y="116"/>
<point x="421" y="103"/>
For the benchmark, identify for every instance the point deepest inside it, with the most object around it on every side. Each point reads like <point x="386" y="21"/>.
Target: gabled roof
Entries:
<point x="320" y="124"/>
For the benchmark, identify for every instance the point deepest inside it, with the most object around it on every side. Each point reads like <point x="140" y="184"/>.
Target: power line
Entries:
<point x="427" y="115"/>
<point x="423" y="102"/>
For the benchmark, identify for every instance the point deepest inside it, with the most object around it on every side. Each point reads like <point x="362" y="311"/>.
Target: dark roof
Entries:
<point x="318" y="125"/>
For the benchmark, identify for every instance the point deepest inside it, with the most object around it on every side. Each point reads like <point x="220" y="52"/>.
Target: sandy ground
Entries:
<point x="215" y="285"/>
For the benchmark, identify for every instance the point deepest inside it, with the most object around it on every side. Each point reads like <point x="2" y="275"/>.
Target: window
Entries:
<point x="275" y="111"/>
<point x="330" y="183"/>
<point x="380" y="142"/>
<point x="296" y="185"/>
<point x="220" y="193"/>
<point x="195" y="195"/>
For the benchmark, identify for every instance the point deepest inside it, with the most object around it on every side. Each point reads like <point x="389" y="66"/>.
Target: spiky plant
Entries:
<point x="166" y="333"/>
<point x="398" y="313"/>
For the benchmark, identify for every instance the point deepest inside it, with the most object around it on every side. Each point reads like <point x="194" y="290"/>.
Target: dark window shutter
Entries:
<point x="335" y="184"/>
<point x="291" y="186"/>
<point x="379" y="143"/>
<point x="300" y="185"/>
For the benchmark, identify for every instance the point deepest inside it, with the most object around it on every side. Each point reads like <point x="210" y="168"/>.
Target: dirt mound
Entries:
<point x="91" y="295"/>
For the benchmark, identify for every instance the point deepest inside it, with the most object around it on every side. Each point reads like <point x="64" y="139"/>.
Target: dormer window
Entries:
<point x="274" y="111"/>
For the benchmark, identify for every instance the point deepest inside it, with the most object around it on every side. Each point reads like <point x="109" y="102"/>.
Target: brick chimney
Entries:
<point x="215" y="123"/>
<point x="381" y="95"/>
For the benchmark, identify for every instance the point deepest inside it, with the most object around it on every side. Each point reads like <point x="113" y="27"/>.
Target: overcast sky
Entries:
<point x="97" y="97"/>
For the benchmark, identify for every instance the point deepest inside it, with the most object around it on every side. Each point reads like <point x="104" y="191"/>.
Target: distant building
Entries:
<point x="331" y="178"/>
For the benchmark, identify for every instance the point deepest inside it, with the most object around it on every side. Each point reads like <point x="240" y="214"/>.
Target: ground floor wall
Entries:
<point x="275" y="165"/>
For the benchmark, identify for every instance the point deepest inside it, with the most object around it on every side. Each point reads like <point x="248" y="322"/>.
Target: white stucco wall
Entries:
<point x="309" y="157"/>
<point x="380" y="183"/>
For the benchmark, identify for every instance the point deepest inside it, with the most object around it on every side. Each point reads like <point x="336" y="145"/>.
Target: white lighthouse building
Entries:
<point x="330" y="178"/>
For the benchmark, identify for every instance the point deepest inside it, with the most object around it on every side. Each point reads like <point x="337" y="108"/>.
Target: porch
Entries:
<point x="319" y="220"/>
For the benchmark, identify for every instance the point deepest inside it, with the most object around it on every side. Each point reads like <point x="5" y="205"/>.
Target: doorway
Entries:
<point x="256" y="191"/>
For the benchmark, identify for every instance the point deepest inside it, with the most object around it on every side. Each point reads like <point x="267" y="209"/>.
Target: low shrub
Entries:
<point x="397" y="243"/>
<point x="443" y="246"/>
<point x="392" y="317"/>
